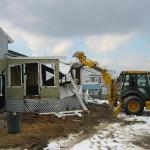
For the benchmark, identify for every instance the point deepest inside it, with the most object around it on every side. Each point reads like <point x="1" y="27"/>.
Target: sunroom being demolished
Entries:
<point x="35" y="84"/>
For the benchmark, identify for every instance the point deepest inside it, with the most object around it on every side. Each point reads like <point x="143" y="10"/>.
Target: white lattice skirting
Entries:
<point x="51" y="105"/>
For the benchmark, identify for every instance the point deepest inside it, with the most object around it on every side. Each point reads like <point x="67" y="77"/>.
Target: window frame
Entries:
<point x="9" y="76"/>
<point x="41" y="82"/>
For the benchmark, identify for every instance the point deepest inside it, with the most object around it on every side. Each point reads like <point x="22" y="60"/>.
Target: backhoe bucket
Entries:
<point x="78" y="54"/>
<point x="117" y="110"/>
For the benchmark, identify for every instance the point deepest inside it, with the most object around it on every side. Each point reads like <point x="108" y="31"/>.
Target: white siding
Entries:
<point x="3" y="45"/>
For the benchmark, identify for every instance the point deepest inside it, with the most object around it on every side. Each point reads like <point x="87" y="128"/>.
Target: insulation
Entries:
<point x="66" y="91"/>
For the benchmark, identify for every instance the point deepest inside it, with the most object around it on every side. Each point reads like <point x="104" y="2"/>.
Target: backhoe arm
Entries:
<point x="105" y="75"/>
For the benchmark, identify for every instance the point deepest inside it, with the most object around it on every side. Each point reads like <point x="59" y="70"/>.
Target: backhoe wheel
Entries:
<point x="133" y="105"/>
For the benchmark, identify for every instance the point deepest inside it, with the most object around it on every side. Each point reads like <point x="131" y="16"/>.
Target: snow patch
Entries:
<point x="117" y="136"/>
<point x="98" y="101"/>
<point x="62" y="143"/>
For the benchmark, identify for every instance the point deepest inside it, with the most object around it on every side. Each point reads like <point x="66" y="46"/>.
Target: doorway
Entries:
<point x="32" y="85"/>
<point x="2" y="91"/>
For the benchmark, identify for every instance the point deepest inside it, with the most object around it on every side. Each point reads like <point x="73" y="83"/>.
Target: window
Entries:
<point x="126" y="82"/>
<point x="1" y="86"/>
<point x="15" y="73"/>
<point x="142" y="81"/>
<point x="48" y="74"/>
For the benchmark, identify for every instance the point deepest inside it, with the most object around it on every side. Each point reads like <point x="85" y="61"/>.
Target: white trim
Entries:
<point x="39" y="78"/>
<point x="6" y="35"/>
<point x="9" y="76"/>
<point x="65" y="113"/>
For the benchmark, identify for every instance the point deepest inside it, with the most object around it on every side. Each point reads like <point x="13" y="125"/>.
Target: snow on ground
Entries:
<point x="97" y="101"/>
<point x="118" y="136"/>
<point x="62" y="143"/>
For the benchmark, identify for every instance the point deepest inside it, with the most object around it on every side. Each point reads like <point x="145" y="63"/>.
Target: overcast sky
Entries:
<point x="114" y="33"/>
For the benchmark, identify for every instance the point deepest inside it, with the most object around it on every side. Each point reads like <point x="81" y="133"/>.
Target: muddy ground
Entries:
<point x="37" y="130"/>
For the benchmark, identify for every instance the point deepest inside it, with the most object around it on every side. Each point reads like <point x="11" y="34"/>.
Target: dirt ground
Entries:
<point x="37" y="130"/>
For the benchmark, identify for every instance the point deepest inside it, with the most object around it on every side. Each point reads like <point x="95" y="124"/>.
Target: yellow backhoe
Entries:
<point x="134" y="91"/>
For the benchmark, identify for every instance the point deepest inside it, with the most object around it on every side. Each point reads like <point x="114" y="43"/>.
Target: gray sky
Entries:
<point x="67" y="18"/>
<point x="109" y="28"/>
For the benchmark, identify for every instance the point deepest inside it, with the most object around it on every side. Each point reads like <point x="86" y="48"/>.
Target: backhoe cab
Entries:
<point x="135" y="91"/>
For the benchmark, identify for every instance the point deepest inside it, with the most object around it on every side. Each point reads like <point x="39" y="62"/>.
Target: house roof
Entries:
<point x="10" y="40"/>
<point x="91" y="71"/>
<point x="37" y="58"/>
<point x="15" y="54"/>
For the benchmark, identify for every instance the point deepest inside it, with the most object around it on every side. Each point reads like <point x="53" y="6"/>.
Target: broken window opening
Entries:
<point x="64" y="80"/>
<point x="48" y="74"/>
<point x="15" y="75"/>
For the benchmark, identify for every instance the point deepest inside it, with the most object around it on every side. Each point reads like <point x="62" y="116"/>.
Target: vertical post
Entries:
<point x="25" y="78"/>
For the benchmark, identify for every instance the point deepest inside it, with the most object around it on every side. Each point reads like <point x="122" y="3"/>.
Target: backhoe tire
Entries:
<point x="133" y="105"/>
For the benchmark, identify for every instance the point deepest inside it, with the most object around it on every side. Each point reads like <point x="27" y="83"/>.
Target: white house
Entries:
<point x="4" y="41"/>
<point x="90" y="75"/>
